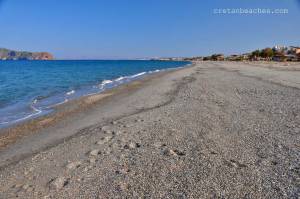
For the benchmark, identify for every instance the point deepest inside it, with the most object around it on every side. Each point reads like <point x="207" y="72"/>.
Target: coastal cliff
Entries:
<point x="6" y="54"/>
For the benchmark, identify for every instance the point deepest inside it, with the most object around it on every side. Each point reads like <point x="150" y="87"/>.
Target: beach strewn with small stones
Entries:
<point x="211" y="130"/>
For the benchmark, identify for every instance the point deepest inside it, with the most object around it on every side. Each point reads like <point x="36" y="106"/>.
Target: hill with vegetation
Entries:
<point x="7" y="54"/>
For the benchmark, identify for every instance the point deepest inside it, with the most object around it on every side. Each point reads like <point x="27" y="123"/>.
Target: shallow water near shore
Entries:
<point x="30" y="89"/>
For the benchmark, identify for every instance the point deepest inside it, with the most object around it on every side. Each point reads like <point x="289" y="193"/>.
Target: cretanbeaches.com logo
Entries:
<point x="250" y="11"/>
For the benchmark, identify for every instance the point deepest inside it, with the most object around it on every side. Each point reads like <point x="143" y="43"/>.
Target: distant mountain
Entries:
<point x="6" y="54"/>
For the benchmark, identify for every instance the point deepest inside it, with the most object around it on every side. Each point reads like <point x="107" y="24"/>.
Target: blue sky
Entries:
<point x="112" y="29"/>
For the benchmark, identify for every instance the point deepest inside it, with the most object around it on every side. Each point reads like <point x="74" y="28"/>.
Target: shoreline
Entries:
<point x="43" y="103"/>
<point x="71" y="109"/>
<point x="51" y="109"/>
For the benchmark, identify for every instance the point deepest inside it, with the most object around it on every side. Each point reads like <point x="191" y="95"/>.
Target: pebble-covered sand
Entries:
<point x="213" y="130"/>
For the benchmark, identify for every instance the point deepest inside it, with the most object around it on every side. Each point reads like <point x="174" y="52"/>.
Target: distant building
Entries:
<point x="293" y="58"/>
<point x="295" y="50"/>
<point x="207" y="58"/>
<point x="193" y="59"/>
<point x="231" y="57"/>
<point x="244" y="57"/>
<point x="163" y="59"/>
<point x="280" y="57"/>
<point x="277" y="53"/>
<point x="218" y="57"/>
<point x="198" y="58"/>
<point x="169" y="59"/>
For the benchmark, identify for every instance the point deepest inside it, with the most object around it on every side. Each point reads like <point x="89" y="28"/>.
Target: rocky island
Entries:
<point x="6" y="54"/>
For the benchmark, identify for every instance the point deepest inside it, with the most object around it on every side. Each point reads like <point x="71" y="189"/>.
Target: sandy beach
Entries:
<point x="210" y="130"/>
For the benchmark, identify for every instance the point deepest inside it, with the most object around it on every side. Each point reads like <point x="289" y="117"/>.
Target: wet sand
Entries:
<point x="213" y="130"/>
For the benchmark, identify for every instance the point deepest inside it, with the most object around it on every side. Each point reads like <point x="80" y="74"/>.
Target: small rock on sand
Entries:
<point x="105" y="128"/>
<point x="59" y="183"/>
<point x="104" y="140"/>
<point x="139" y="120"/>
<point x="25" y="186"/>
<point x="108" y="132"/>
<point x="132" y="145"/>
<point x="173" y="152"/>
<point x="94" y="152"/>
<point x="118" y="132"/>
<point x="30" y="189"/>
<point x="73" y="165"/>
<point x="17" y="186"/>
<point x="159" y="145"/>
<point x="26" y="172"/>
<point x="92" y="160"/>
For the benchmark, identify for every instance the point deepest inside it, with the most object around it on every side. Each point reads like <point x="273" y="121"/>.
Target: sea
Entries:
<point x="29" y="89"/>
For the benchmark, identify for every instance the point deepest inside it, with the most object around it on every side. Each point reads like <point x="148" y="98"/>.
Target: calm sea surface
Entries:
<point x="32" y="88"/>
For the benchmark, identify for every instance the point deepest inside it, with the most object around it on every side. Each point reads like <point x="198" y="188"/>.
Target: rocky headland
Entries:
<point x="7" y="54"/>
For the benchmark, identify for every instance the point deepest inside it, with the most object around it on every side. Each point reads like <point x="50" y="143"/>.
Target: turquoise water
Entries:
<point x="32" y="88"/>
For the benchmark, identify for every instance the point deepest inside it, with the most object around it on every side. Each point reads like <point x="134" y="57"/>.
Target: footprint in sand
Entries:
<point x="234" y="163"/>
